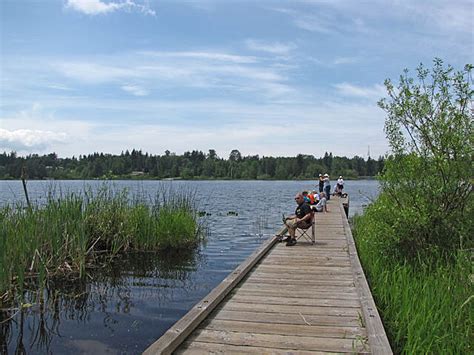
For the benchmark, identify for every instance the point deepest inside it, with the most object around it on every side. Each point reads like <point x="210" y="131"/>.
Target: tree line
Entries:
<point x="191" y="165"/>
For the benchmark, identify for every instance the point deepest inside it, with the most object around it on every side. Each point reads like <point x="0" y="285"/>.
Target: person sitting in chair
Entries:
<point x="301" y="219"/>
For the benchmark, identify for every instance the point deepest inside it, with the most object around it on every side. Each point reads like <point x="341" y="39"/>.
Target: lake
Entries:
<point x="123" y="308"/>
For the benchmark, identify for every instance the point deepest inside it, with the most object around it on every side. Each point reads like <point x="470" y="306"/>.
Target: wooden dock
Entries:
<point x="304" y="299"/>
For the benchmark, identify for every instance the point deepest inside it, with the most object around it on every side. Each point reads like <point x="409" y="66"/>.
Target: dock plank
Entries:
<point x="287" y="342"/>
<point x="288" y="309"/>
<point x="283" y="329"/>
<point x="198" y="348"/>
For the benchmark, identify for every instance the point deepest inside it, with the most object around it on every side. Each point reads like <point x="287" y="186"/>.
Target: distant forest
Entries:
<point x="191" y="165"/>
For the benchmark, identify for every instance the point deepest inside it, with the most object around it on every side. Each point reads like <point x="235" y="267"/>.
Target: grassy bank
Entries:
<point x="73" y="232"/>
<point x="426" y="304"/>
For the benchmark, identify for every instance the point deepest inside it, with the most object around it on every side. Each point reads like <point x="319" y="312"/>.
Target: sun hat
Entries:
<point x="320" y="174"/>
<point x="340" y="177"/>
<point x="326" y="175"/>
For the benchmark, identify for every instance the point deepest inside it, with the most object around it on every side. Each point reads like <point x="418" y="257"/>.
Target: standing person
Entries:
<point x="301" y="219"/>
<point x="339" y="185"/>
<point x="327" y="186"/>
<point x="321" y="183"/>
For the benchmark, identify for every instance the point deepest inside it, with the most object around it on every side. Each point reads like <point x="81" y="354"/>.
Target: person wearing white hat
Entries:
<point x="339" y="186"/>
<point x="327" y="186"/>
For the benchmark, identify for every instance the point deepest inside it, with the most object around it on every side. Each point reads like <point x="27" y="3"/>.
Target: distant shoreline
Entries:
<point x="142" y="178"/>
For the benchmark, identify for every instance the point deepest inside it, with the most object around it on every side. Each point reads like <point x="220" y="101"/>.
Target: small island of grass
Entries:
<point x="70" y="233"/>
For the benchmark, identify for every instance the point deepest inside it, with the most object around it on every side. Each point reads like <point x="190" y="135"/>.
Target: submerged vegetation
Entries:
<point x="416" y="240"/>
<point x="69" y="234"/>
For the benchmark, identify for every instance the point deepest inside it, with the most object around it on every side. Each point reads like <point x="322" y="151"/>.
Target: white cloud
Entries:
<point x="446" y="15"/>
<point x="135" y="90"/>
<point x="270" y="47"/>
<point x="374" y="92"/>
<point x="345" y="60"/>
<point x="94" y="73"/>
<point x="96" y="7"/>
<point x="29" y="140"/>
<point x="25" y="131"/>
<point x="315" y="23"/>
<point x="187" y="69"/>
<point x="58" y="87"/>
<point x="215" y="56"/>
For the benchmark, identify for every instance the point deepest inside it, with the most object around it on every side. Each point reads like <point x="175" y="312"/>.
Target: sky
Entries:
<point x="273" y="78"/>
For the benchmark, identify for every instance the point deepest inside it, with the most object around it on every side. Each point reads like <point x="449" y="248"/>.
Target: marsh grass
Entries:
<point x="426" y="306"/>
<point x="69" y="233"/>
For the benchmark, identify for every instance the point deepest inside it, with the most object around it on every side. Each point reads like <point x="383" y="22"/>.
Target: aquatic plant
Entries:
<point x="69" y="233"/>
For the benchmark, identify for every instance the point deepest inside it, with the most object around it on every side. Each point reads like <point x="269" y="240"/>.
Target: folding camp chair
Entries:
<point x="304" y="232"/>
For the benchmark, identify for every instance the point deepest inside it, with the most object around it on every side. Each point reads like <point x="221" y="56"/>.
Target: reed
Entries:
<point x="426" y="306"/>
<point x="67" y="234"/>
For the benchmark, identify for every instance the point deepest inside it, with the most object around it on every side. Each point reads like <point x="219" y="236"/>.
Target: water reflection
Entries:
<point x="109" y="293"/>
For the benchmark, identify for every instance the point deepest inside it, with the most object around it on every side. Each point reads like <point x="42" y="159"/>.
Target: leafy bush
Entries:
<point x="416" y="240"/>
<point x="428" y="176"/>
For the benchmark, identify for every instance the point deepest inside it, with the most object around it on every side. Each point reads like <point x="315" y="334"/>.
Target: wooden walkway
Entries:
<point x="305" y="299"/>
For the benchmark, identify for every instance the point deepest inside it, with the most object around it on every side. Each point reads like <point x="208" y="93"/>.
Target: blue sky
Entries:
<point x="265" y="77"/>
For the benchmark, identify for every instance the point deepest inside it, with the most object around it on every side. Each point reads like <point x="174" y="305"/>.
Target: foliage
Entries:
<point x="190" y="165"/>
<point x="68" y="233"/>
<point x="428" y="177"/>
<point x="415" y="241"/>
<point x="426" y="308"/>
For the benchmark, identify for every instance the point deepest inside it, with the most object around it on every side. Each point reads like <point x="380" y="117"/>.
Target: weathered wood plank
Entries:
<point x="288" y="309"/>
<point x="201" y="348"/>
<point x="303" y="276"/>
<point x="301" y="283"/>
<point x="299" y="318"/>
<point x="281" y="341"/>
<point x="312" y="258"/>
<point x="303" y="265"/>
<point x="288" y="292"/>
<point x="295" y="268"/>
<point x="329" y="302"/>
<point x="310" y="290"/>
<point x="284" y="329"/>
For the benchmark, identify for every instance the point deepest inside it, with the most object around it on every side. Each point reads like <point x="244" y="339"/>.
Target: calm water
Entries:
<point x="124" y="308"/>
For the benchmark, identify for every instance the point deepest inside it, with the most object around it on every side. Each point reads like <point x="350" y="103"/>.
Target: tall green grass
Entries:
<point x="69" y="233"/>
<point x="427" y="305"/>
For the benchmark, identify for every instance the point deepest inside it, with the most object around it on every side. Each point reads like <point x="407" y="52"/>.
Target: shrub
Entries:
<point x="428" y="176"/>
<point x="415" y="241"/>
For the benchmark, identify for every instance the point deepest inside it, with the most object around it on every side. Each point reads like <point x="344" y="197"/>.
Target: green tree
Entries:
<point x="429" y="127"/>
<point x="212" y="154"/>
<point x="235" y="155"/>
